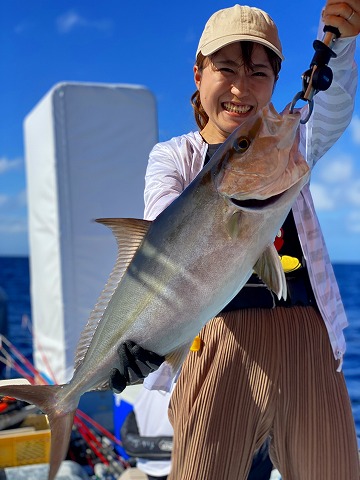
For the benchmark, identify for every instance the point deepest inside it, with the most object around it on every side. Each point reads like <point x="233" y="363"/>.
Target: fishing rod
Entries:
<point x="26" y="323"/>
<point x="25" y="362"/>
<point x="99" y="427"/>
<point x="319" y="76"/>
<point x="9" y="363"/>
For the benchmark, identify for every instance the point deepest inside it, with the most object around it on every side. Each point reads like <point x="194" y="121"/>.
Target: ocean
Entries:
<point x="15" y="281"/>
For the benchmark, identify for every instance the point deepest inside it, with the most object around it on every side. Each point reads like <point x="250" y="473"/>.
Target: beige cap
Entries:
<point x="239" y="23"/>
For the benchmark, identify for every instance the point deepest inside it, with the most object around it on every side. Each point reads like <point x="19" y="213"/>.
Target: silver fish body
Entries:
<point x="174" y="274"/>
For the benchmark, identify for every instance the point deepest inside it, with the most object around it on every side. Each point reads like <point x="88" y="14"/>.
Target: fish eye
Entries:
<point x="242" y="144"/>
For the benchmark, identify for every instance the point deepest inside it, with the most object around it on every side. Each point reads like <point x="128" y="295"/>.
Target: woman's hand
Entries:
<point x="343" y="15"/>
<point x="135" y="363"/>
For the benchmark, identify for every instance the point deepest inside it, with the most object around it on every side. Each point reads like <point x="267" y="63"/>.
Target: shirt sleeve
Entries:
<point x="334" y="107"/>
<point x="163" y="180"/>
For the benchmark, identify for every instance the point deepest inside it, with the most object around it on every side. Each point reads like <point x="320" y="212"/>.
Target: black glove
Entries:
<point x="135" y="364"/>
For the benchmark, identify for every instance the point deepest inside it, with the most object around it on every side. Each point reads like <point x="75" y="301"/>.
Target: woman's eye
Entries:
<point x="259" y="74"/>
<point x="226" y="70"/>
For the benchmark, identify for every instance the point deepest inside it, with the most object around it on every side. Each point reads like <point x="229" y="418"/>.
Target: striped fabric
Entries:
<point x="272" y="379"/>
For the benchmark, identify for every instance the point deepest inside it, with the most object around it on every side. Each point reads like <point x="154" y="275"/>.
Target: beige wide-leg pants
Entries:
<point x="263" y="373"/>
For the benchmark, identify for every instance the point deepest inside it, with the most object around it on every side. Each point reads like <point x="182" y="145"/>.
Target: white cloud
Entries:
<point x="3" y="200"/>
<point x="353" y="222"/>
<point x="71" y="20"/>
<point x="6" y="164"/>
<point x="322" y="197"/>
<point x="22" y="198"/>
<point x="355" y="129"/>
<point x="335" y="183"/>
<point x="353" y="193"/>
<point x="13" y="226"/>
<point x="335" y="187"/>
<point x="12" y="203"/>
<point x="336" y="171"/>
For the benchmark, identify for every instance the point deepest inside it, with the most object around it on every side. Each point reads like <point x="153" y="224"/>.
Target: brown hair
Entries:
<point x="201" y="117"/>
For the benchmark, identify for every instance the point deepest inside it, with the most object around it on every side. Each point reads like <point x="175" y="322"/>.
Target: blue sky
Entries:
<point x="43" y="42"/>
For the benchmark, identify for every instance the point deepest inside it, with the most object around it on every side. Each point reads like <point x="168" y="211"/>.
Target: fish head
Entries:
<point x="261" y="158"/>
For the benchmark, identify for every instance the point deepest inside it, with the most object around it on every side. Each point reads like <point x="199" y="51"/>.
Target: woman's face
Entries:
<point x="230" y="93"/>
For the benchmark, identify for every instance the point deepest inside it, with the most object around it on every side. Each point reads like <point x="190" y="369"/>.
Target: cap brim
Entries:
<point x="215" y="45"/>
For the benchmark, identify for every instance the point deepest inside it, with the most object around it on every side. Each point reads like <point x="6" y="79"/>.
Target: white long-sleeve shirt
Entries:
<point x="175" y="163"/>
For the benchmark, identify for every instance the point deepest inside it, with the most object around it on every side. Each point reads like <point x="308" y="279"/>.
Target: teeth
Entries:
<point x="231" y="107"/>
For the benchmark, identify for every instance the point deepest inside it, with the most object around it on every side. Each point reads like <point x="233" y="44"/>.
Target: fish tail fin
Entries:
<point x="46" y="398"/>
<point x="60" y="426"/>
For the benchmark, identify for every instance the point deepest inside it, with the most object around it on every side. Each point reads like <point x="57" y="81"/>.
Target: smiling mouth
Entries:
<point x="234" y="108"/>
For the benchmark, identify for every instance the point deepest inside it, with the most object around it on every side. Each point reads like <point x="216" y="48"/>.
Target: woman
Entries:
<point x="234" y="81"/>
<point x="265" y="369"/>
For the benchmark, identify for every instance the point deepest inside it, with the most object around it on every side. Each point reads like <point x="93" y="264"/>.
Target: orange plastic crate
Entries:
<point x="28" y="447"/>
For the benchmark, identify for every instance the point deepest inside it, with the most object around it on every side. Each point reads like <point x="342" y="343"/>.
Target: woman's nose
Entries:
<point x="240" y="86"/>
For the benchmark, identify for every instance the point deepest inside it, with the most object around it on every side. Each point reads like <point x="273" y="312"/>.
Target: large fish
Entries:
<point x="174" y="274"/>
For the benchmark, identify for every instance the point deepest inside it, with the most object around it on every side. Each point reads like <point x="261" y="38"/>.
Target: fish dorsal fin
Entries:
<point x="129" y="234"/>
<point x="270" y="270"/>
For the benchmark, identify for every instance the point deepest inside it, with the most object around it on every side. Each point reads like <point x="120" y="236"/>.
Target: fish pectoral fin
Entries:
<point x="233" y="225"/>
<point x="270" y="270"/>
<point x="176" y="358"/>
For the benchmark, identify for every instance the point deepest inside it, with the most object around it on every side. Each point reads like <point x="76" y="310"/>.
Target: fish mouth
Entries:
<point x="256" y="204"/>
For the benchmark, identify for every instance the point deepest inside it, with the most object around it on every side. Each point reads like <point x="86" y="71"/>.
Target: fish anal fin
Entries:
<point x="102" y="387"/>
<point x="129" y="234"/>
<point x="269" y="269"/>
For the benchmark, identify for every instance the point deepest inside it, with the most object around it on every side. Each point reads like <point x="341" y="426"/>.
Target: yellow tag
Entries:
<point x="196" y="345"/>
<point x="289" y="264"/>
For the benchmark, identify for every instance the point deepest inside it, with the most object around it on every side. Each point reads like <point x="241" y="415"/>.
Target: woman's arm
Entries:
<point x="334" y="107"/>
<point x="163" y="180"/>
<point x="171" y="168"/>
